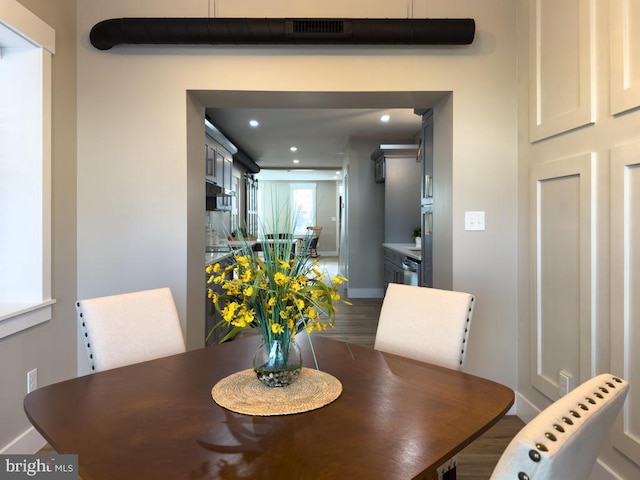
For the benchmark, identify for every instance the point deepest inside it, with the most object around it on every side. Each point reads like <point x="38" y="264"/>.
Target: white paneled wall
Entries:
<point x="624" y="28"/>
<point x="582" y="117"/>
<point x="625" y="289"/>
<point x="562" y="66"/>
<point x="562" y="237"/>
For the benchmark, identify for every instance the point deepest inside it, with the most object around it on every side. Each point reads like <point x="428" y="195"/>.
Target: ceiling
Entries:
<point x="320" y="128"/>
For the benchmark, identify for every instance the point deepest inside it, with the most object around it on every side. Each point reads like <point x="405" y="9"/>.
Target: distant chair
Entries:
<point x="428" y="325"/>
<point x="563" y="441"/>
<point x="313" y="236"/>
<point x="129" y="328"/>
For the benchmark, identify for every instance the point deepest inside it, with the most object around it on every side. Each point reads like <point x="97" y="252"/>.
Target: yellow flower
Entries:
<point x="284" y="264"/>
<point x="229" y="311"/>
<point x="277" y="294"/>
<point x="246" y="276"/>
<point x="280" y="278"/>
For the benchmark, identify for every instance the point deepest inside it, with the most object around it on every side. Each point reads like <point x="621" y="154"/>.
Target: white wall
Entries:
<point x="132" y="166"/>
<point x="579" y="124"/>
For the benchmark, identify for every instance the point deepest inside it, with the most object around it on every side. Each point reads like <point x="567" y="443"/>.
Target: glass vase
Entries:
<point x="277" y="364"/>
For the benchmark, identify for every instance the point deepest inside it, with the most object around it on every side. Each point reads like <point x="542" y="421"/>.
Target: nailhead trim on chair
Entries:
<point x="452" y="463"/>
<point x="466" y="330"/>
<point x="535" y="455"/>
<point x="86" y="335"/>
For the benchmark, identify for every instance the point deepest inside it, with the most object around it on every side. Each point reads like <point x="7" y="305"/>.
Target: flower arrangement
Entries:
<point x="281" y="292"/>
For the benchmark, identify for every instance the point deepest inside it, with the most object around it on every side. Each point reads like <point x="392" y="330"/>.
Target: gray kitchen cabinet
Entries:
<point x="393" y="271"/>
<point x="219" y="170"/>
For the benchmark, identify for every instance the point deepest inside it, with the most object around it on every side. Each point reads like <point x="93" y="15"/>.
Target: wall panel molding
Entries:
<point x="563" y="276"/>
<point x="562" y="70"/>
<point x="624" y="40"/>
<point x="625" y="290"/>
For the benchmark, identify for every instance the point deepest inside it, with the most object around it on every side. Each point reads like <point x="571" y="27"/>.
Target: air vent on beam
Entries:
<point x="261" y="31"/>
<point x="315" y="28"/>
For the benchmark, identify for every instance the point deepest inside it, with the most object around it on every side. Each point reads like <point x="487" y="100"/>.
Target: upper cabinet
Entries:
<point x="219" y="165"/>
<point x="219" y="169"/>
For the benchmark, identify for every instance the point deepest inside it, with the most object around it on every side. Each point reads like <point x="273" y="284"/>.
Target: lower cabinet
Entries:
<point x="393" y="271"/>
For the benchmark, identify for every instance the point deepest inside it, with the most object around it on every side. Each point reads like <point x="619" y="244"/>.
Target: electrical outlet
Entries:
<point x="32" y="380"/>
<point x="565" y="384"/>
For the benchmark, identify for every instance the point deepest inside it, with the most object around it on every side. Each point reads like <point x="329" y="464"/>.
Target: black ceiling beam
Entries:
<point x="282" y="31"/>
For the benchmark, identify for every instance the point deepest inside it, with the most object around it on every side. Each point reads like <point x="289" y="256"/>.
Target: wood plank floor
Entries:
<point x="357" y="324"/>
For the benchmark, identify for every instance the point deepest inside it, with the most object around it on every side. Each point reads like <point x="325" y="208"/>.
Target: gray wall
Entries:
<point x="50" y="347"/>
<point x="365" y="233"/>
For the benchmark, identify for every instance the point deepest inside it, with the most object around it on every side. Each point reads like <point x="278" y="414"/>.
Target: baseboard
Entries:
<point x="29" y="442"/>
<point x="525" y="410"/>
<point x="602" y="472"/>
<point x="365" y="292"/>
<point x="322" y="253"/>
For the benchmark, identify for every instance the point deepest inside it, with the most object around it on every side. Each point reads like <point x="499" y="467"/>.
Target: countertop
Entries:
<point x="215" y="257"/>
<point x="408" y="249"/>
<point x="234" y="245"/>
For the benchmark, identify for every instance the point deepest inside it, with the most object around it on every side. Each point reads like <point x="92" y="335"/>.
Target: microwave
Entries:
<point x="216" y="197"/>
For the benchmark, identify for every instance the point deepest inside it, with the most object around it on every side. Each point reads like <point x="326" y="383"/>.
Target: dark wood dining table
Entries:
<point x="395" y="419"/>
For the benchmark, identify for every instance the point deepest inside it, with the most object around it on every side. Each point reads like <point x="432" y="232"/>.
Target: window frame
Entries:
<point x="27" y="300"/>
<point x="293" y="187"/>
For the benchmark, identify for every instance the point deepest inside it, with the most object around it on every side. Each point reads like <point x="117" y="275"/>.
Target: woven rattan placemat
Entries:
<point x="243" y="393"/>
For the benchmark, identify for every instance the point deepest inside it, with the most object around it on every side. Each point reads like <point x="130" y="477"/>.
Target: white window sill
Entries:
<point x="15" y="317"/>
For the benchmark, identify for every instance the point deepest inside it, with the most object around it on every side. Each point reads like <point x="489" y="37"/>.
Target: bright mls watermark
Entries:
<point x="50" y="467"/>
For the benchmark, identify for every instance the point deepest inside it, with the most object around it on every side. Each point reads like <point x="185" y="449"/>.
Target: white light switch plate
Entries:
<point x="474" y="220"/>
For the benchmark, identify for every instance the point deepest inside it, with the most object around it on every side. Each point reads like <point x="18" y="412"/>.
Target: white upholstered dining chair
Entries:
<point x="129" y="328"/>
<point x="426" y="324"/>
<point x="563" y="441"/>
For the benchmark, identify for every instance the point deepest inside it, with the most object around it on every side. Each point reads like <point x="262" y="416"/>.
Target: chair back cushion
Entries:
<point x="426" y="324"/>
<point x="563" y="441"/>
<point x="129" y="328"/>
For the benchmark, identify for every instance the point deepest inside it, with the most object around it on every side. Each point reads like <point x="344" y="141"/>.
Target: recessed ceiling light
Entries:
<point x="254" y="123"/>
<point x="337" y="173"/>
<point x="294" y="149"/>
<point x="296" y="161"/>
<point x="385" y="118"/>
